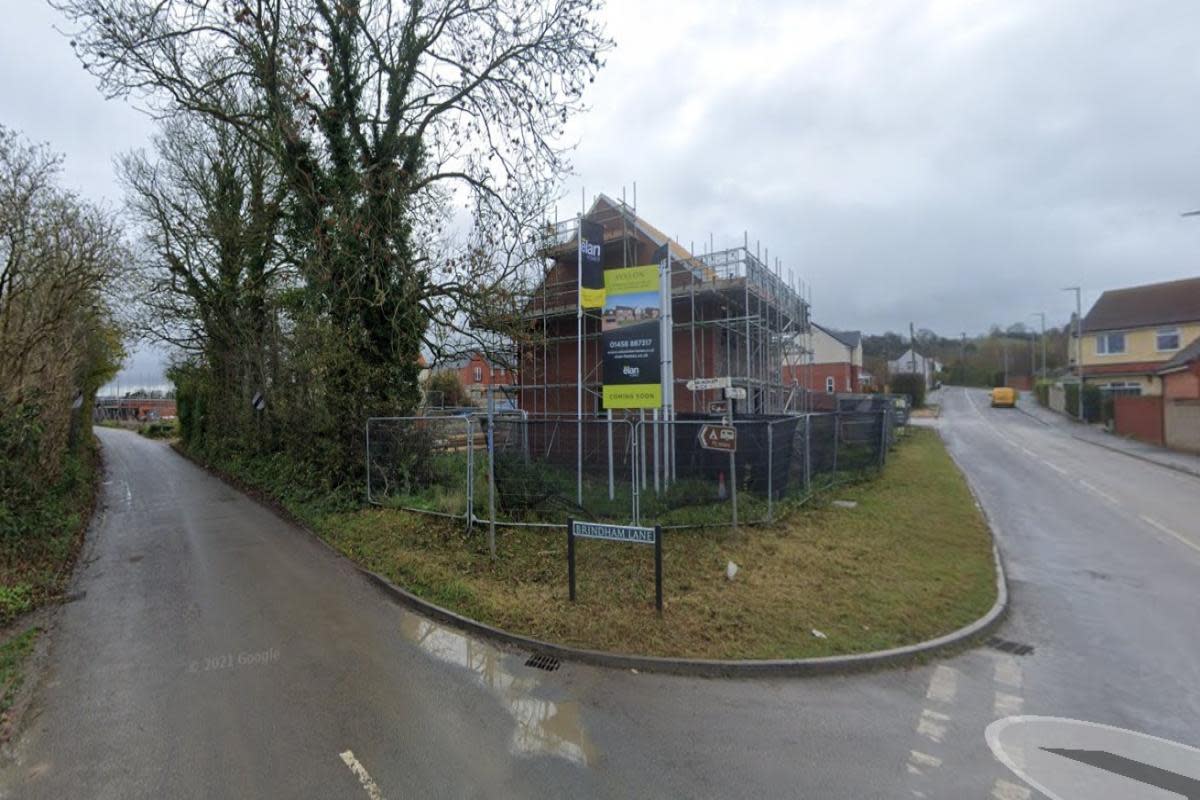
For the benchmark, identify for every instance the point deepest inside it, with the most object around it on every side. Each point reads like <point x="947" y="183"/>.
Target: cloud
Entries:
<point x="950" y="163"/>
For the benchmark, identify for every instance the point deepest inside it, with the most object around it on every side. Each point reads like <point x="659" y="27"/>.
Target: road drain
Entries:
<point x="548" y="663"/>
<point x="1004" y="645"/>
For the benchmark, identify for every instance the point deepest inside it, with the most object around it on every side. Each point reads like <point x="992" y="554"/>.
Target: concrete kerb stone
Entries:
<point x="706" y="668"/>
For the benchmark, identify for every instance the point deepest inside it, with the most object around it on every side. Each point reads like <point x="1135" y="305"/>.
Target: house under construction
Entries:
<point x="733" y="316"/>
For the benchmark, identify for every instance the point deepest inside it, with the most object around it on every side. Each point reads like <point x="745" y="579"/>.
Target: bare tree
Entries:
<point x="59" y="258"/>
<point x="380" y="115"/>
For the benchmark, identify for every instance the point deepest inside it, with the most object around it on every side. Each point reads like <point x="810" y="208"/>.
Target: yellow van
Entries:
<point x="1004" y="397"/>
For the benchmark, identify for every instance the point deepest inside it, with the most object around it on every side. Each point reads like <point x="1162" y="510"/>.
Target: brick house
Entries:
<point x="731" y="316"/>
<point x="476" y="374"/>
<point x="836" y="365"/>
<point x="1131" y="334"/>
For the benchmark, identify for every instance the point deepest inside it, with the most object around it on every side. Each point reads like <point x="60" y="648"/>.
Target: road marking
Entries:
<point x="1007" y="705"/>
<point x="943" y="685"/>
<point x="1054" y="467"/>
<point x="932" y="726"/>
<point x="1008" y="672"/>
<point x="1003" y="790"/>
<point x="1155" y="523"/>
<point x="364" y="778"/>
<point x="1099" y="492"/>
<point x="924" y="759"/>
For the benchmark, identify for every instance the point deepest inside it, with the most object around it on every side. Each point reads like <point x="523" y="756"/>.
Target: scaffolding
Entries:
<point x="734" y="315"/>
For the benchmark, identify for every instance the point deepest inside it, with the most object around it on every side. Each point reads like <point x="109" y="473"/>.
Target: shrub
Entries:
<point x="1041" y="390"/>
<point x="911" y="384"/>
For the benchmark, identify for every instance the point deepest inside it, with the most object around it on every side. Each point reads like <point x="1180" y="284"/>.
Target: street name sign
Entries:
<point x="719" y="437"/>
<point x="615" y="533"/>
<point x="700" y="384"/>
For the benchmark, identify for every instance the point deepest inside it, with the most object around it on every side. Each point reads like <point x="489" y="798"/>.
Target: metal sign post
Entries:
<point x="615" y="533"/>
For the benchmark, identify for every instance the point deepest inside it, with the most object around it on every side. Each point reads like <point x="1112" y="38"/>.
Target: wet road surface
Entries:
<point x="218" y="652"/>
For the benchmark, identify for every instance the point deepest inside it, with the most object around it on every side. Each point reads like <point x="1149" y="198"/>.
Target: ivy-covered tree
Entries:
<point x="389" y="122"/>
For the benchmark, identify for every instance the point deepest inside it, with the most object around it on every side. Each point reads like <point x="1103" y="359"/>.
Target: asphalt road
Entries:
<point x="219" y="652"/>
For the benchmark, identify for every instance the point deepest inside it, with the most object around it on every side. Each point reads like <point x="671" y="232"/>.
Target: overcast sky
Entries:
<point x="953" y="163"/>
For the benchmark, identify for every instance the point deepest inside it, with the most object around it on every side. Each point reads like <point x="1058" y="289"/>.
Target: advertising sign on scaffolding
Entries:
<point x="631" y="337"/>
<point x="591" y="271"/>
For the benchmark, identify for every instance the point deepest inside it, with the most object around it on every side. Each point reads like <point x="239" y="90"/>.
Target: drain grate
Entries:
<point x="1016" y="648"/>
<point x="538" y="661"/>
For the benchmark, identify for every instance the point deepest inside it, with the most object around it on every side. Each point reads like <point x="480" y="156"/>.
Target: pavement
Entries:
<point x="1097" y="435"/>
<point x="217" y="651"/>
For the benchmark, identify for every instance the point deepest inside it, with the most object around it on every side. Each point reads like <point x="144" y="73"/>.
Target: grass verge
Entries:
<point x="911" y="561"/>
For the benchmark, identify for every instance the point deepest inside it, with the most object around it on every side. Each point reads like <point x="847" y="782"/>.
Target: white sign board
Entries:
<point x="700" y="384"/>
<point x="735" y="393"/>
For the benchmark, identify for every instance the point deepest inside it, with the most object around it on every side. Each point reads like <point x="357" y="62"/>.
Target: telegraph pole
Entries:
<point x="1078" y="342"/>
<point x="962" y="358"/>
<point x="1042" y="314"/>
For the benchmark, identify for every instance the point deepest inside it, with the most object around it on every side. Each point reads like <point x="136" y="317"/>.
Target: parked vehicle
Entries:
<point x="1004" y="397"/>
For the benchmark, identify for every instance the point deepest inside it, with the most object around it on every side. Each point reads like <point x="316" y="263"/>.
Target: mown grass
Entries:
<point x="913" y="560"/>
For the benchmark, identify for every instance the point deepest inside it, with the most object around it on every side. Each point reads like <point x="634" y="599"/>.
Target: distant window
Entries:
<point x="1122" y="388"/>
<point x="829" y="385"/>
<point x="1168" y="338"/>
<point x="479" y="374"/>
<point x="1109" y="344"/>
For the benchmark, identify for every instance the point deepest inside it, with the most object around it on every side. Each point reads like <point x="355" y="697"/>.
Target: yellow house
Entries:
<point x="1129" y="334"/>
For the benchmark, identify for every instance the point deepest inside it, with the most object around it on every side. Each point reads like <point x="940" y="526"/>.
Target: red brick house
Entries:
<point x="732" y="317"/>
<point x="836" y="364"/>
<point x="476" y="374"/>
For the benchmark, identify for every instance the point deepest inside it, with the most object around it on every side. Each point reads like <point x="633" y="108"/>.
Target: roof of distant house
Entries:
<point x="1184" y="357"/>
<point x="848" y="338"/>
<point x="1145" y="306"/>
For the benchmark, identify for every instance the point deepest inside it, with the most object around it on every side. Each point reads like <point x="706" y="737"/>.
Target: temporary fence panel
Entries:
<point x="535" y="473"/>
<point x="421" y="463"/>
<point x="537" y="470"/>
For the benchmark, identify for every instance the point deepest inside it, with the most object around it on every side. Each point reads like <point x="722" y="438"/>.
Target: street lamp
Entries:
<point x="1078" y="342"/>
<point x="1042" y="314"/>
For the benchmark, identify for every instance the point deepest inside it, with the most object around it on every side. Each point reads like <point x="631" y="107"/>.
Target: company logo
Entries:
<point x="590" y="249"/>
<point x="631" y="372"/>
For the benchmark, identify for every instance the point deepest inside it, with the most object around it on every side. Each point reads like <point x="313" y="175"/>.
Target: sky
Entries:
<point x="950" y="163"/>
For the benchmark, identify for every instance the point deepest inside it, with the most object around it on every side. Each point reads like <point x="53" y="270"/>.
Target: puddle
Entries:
<point x="543" y="727"/>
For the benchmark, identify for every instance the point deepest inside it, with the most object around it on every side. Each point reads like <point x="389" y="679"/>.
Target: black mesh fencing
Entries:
<point x="541" y="471"/>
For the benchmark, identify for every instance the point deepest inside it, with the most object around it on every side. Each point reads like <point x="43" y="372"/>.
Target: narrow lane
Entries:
<point x="220" y="652"/>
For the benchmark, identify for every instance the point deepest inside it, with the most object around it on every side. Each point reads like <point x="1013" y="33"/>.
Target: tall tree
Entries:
<point x="381" y="115"/>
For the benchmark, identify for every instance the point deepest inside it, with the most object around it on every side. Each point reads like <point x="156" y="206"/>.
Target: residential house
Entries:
<point x="911" y="361"/>
<point x="836" y="364"/>
<point x="730" y="316"/>
<point x="476" y="374"/>
<point x="1131" y="335"/>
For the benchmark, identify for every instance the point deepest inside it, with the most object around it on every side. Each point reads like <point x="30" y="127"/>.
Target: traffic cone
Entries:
<point x="721" y="493"/>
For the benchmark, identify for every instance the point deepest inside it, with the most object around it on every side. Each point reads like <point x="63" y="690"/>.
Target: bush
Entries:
<point x="1041" y="390"/>
<point x="1095" y="407"/>
<point x="911" y="384"/>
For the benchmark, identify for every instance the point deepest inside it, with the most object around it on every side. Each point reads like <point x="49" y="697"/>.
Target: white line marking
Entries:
<point x="931" y="725"/>
<point x="1007" y="705"/>
<point x="1169" y="532"/>
<point x="1099" y="492"/>
<point x="943" y="685"/>
<point x="1054" y="467"/>
<point x="1003" y="790"/>
<point x="923" y="759"/>
<point x="1008" y="672"/>
<point x="364" y="778"/>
